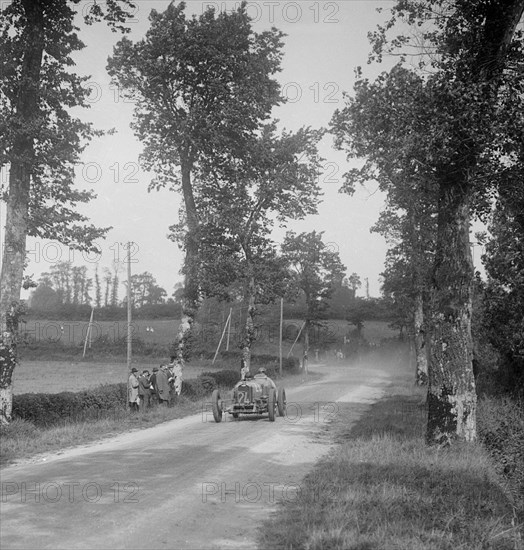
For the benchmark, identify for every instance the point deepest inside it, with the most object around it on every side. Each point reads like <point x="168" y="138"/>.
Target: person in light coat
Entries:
<point x="132" y="390"/>
<point x="176" y="368"/>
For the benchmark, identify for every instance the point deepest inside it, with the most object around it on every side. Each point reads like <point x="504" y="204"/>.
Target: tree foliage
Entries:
<point x="276" y="181"/>
<point x="202" y="87"/>
<point x="503" y="294"/>
<point x="145" y="290"/>
<point x="40" y="143"/>
<point x="37" y="129"/>
<point x="315" y="269"/>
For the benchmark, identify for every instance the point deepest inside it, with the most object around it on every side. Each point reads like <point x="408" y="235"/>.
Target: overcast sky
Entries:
<point x="325" y="42"/>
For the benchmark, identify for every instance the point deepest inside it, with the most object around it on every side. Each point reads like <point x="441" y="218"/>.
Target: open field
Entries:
<point x="152" y="331"/>
<point x="58" y="376"/>
<point x="38" y="373"/>
<point x="73" y="333"/>
<point x="163" y="331"/>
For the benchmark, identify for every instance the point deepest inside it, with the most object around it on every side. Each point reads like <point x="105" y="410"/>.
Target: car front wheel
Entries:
<point x="216" y="404"/>
<point x="271" y="404"/>
<point x="281" y="402"/>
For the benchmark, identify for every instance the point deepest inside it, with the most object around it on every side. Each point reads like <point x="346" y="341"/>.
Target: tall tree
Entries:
<point x="380" y="123"/>
<point x="354" y="283"/>
<point x="202" y="85"/>
<point x="115" y="283"/>
<point x="145" y="290"/>
<point x="40" y="142"/>
<point x="410" y="229"/>
<point x="61" y="277"/>
<point x="452" y="123"/>
<point x="108" y="277"/>
<point x="277" y="180"/>
<point x="81" y="285"/>
<point x="44" y="297"/>
<point x="315" y="271"/>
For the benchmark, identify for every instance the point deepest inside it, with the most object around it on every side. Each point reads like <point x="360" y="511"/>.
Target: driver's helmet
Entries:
<point x="261" y="370"/>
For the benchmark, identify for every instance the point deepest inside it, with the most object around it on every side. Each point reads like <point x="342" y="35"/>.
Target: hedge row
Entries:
<point x="46" y="409"/>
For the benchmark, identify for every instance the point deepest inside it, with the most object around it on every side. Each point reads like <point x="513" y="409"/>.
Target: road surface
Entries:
<point x="184" y="484"/>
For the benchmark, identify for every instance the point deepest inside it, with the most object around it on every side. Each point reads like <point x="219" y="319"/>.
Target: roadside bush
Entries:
<point x="224" y="378"/>
<point x="500" y="423"/>
<point x="265" y="360"/>
<point x="208" y="383"/>
<point x="42" y="408"/>
<point x="46" y="409"/>
<point x="196" y="388"/>
<point x="107" y="396"/>
<point x="290" y="365"/>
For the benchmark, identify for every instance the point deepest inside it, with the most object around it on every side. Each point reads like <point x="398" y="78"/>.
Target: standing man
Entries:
<point x="152" y="386"/>
<point x="132" y="390"/>
<point x="162" y="386"/>
<point x="144" y="390"/>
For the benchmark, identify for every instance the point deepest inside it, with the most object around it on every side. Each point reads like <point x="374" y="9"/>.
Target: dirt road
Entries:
<point x="189" y="483"/>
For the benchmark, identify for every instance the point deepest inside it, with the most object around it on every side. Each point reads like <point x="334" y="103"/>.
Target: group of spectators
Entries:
<point x="147" y="390"/>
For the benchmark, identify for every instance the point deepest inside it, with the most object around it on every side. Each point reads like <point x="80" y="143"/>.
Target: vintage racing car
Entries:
<point x="254" y="395"/>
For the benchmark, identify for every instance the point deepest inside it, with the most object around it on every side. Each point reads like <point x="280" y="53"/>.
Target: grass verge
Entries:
<point x="22" y="439"/>
<point x="383" y="489"/>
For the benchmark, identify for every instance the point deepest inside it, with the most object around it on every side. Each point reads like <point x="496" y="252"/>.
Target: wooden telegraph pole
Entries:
<point x="88" y="334"/>
<point x="280" y="340"/>
<point x="229" y="328"/>
<point x="228" y="323"/>
<point x="129" y="310"/>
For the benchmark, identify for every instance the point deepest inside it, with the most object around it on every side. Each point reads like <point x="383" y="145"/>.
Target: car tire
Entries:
<point x="281" y="402"/>
<point x="271" y="404"/>
<point x="216" y="404"/>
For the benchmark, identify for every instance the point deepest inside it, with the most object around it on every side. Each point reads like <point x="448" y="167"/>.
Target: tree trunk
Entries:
<point x="191" y="300"/>
<point x="249" y="329"/>
<point x="17" y="208"/>
<point x="451" y="391"/>
<point x="421" y="357"/>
